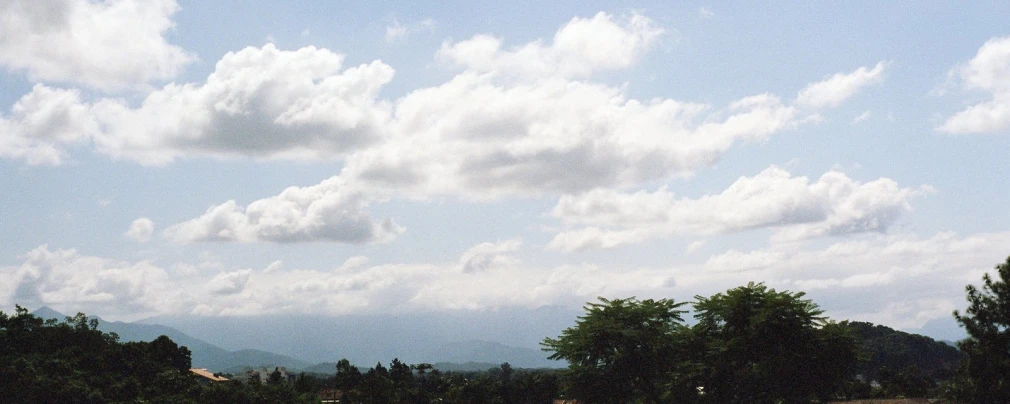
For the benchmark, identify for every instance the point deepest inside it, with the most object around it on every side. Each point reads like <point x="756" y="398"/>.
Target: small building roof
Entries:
<point x="208" y="375"/>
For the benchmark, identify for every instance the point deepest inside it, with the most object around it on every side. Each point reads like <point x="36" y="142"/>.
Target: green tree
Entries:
<point x="49" y="361"/>
<point x="986" y="377"/>
<point x="348" y="376"/>
<point x="376" y="387"/>
<point x="164" y="350"/>
<point x="765" y="346"/>
<point x="400" y="372"/>
<point x="275" y="378"/>
<point x="422" y="376"/>
<point x="623" y="350"/>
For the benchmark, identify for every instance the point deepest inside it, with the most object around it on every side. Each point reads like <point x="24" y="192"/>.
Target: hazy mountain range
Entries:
<point x="205" y="354"/>
<point x="507" y="335"/>
<point x="454" y="340"/>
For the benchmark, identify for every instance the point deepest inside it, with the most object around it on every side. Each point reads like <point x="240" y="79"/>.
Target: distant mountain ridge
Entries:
<point x="494" y="336"/>
<point x="467" y="355"/>
<point x="204" y="354"/>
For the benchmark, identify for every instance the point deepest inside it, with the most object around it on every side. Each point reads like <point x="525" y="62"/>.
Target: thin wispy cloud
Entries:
<point x="398" y="32"/>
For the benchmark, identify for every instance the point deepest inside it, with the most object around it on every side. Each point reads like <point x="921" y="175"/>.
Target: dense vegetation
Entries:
<point x="885" y="348"/>
<point x="985" y="376"/>
<point x="905" y="365"/>
<point x="751" y="344"/>
<point x="46" y="361"/>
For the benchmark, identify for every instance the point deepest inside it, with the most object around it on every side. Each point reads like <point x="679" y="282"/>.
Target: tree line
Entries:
<point x="750" y="344"/>
<point x="753" y="344"/>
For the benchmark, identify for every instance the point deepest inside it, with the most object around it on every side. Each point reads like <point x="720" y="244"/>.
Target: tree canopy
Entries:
<point x="766" y="346"/>
<point x="751" y="344"/>
<point x="987" y="321"/>
<point x="623" y="348"/>
<point x="48" y="361"/>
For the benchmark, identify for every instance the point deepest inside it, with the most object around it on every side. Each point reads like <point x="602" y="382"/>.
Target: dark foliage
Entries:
<point x="624" y="348"/>
<point x="752" y="344"/>
<point x="420" y="383"/>
<point x="887" y="349"/>
<point x="985" y="375"/>
<point x="765" y="346"/>
<point x="905" y="365"/>
<point x="47" y="361"/>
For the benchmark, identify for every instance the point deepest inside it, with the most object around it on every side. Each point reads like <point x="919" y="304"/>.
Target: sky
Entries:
<point x="314" y="157"/>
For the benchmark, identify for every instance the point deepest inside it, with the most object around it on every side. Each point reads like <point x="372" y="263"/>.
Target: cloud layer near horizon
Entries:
<point x="896" y="279"/>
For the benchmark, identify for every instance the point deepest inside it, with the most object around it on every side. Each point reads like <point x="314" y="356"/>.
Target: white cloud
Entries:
<point x="899" y="280"/>
<point x="396" y="31"/>
<point x="274" y="266"/>
<point x="259" y="102"/>
<point x="486" y="256"/>
<point x="43" y="123"/>
<point x="229" y="283"/>
<point x="592" y="237"/>
<point x="480" y="139"/>
<point x="736" y="261"/>
<point x="65" y="278"/>
<point x="910" y="314"/>
<point x="140" y="230"/>
<point x="353" y="263"/>
<point x="705" y="13"/>
<point x="488" y="134"/>
<point x="695" y="246"/>
<point x="988" y="71"/>
<point x="478" y="135"/>
<point x="330" y="211"/>
<point x="108" y="45"/>
<point x="863" y="117"/>
<point x="581" y="47"/>
<point x="833" y="90"/>
<point x="834" y="204"/>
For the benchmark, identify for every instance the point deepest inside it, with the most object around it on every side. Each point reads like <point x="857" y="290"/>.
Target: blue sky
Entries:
<point x="480" y="155"/>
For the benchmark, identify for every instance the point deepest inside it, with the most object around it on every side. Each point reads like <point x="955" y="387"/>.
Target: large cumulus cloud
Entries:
<point x="833" y="205"/>
<point x="108" y="45"/>
<point x="988" y="72"/>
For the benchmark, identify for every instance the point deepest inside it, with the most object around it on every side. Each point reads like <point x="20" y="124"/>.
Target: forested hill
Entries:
<point x="896" y="351"/>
